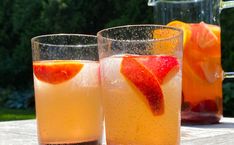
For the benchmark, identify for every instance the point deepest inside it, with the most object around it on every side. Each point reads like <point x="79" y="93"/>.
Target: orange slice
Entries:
<point x="215" y="29"/>
<point x="145" y="81"/>
<point x="186" y="29"/>
<point x="193" y="58"/>
<point x="55" y="72"/>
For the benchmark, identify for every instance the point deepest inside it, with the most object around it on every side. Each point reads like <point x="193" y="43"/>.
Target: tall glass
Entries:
<point x="202" y="70"/>
<point x="141" y="84"/>
<point x="67" y="89"/>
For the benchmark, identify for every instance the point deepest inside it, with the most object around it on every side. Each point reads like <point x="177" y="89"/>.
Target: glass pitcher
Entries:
<point x="202" y="71"/>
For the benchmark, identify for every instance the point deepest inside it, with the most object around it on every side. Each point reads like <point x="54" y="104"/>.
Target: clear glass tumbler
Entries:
<point x="67" y="89"/>
<point x="141" y="84"/>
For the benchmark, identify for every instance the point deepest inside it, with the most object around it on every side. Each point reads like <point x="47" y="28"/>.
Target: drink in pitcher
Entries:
<point x="202" y="73"/>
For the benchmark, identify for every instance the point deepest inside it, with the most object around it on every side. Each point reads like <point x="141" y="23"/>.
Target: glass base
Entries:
<point x="199" y="118"/>
<point x="81" y="143"/>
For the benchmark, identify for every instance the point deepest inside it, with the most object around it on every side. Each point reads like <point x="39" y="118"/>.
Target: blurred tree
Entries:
<point x="130" y="12"/>
<point x="227" y="22"/>
<point x="6" y="45"/>
<point x="20" y="20"/>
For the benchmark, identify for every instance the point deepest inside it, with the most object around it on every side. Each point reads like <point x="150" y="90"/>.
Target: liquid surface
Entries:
<point x="202" y="73"/>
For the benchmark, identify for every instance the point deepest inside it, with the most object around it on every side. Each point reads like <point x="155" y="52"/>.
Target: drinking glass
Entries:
<point x="141" y="84"/>
<point x="202" y="70"/>
<point x="67" y="89"/>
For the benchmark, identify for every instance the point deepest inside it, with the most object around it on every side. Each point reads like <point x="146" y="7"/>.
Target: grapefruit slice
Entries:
<point x="163" y="67"/>
<point x="204" y="42"/>
<point x="205" y="38"/>
<point x="212" y="69"/>
<point x="208" y="38"/>
<point x="145" y="81"/>
<point x="56" y="72"/>
<point x="147" y="73"/>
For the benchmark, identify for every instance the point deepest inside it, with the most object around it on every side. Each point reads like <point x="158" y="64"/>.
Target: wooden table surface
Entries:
<point x="24" y="133"/>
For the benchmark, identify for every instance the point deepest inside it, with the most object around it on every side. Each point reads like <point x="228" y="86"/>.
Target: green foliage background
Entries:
<point x="20" y="20"/>
<point x="227" y="23"/>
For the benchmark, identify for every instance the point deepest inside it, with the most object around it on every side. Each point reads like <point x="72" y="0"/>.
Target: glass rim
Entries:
<point x="99" y="33"/>
<point x="35" y="40"/>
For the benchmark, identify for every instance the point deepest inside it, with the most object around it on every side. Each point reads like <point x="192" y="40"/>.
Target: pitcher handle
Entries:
<point x="225" y="4"/>
<point x="152" y="2"/>
<point x="228" y="75"/>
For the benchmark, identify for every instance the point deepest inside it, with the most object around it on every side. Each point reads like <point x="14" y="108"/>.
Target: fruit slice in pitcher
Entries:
<point x="215" y="29"/>
<point x="55" y="72"/>
<point x="146" y="73"/>
<point x="204" y="43"/>
<point x="211" y="66"/>
<point x="206" y="106"/>
<point x="206" y="39"/>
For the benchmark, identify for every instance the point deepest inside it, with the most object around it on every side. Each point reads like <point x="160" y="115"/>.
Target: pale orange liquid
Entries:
<point x="129" y="121"/>
<point x="70" y="112"/>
